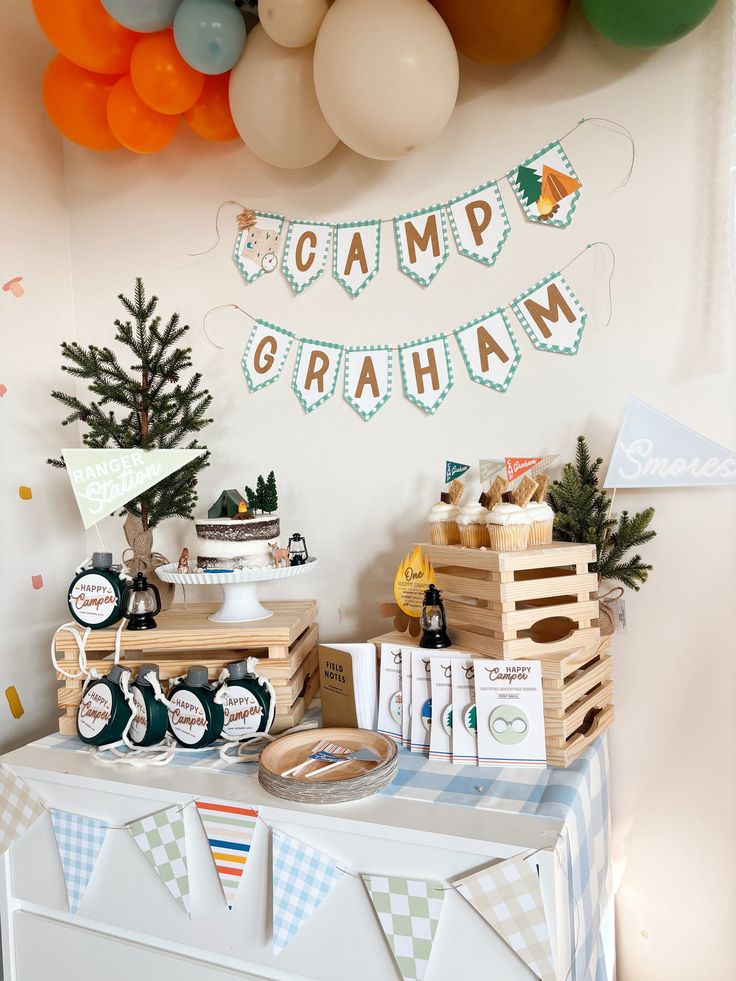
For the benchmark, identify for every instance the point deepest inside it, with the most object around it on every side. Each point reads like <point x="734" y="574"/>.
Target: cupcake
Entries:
<point x="472" y="525"/>
<point x="508" y="528"/>
<point x="542" y="517"/>
<point x="442" y="524"/>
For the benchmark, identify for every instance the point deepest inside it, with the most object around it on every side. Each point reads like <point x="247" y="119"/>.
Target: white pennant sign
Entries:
<point x="421" y="241"/>
<point x="305" y="253"/>
<point x="315" y="372"/>
<point x="479" y="223"/>
<point x="551" y="315"/>
<point x="367" y="379"/>
<point x="355" y="254"/>
<point x="105" y="480"/>
<point x="426" y="371"/>
<point x="265" y="354"/>
<point x="489" y="350"/>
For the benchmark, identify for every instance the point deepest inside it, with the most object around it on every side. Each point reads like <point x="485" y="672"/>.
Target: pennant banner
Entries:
<point x="408" y="911"/>
<point x="105" y="480"/>
<point x="229" y="829"/>
<point x="517" y="466"/>
<point x="489" y="350"/>
<point x="421" y="241"/>
<point x="653" y="450"/>
<point x="305" y="253"/>
<point x="315" y="372"/>
<point x="19" y="808"/>
<point x="509" y="898"/>
<point x="551" y="315"/>
<point x="479" y="223"/>
<point x="265" y="354"/>
<point x="368" y="381"/>
<point x="257" y="248"/>
<point x="162" y="840"/>
<point x="79" y="840"/>
<point x="453" y="470"/>
<point x="426" y="371"/>
<point x="302" y="879"/>
<point x="355" y="255"/>
<point x="514" y="468"/>
<point x="547" y="186"/>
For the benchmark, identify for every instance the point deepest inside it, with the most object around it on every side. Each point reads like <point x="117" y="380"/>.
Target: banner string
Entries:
<point x="608" y="124"/>
<point x="508" y="306"/>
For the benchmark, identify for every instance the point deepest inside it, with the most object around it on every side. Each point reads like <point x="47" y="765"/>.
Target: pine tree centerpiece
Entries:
<point x="265" y="497"/>
<point x="583" y="514"/>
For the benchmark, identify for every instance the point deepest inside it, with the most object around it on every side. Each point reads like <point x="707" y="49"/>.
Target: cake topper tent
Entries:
<point x="226" y="505"/>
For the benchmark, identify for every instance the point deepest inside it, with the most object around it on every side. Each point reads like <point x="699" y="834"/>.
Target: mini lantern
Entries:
<point x="298" y="553"/>
<point x="433" y="621"/>
<point x="141" y="603"/>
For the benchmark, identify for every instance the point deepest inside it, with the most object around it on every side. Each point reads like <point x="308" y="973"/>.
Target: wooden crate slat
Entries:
<point x="519" y="619"/>
<point x="579" y="742"/>
<point x="529" y="589"/>
<point x="286" y="719"/>
<point x="578" y="684"/>
<point x="287" y="694"/>
<point x="451" y="584"/>
<point x="564" y="725"/>
<point x="536" y="556"/>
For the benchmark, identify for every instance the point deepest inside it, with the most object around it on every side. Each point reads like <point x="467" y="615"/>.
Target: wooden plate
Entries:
<point x="351" y="781"/>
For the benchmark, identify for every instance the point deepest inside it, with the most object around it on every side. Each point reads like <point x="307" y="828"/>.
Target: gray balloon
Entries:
<point x="145" y="16"/>
<point x="209" y="34"/>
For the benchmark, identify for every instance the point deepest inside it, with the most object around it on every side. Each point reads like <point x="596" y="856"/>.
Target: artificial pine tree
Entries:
<point x="260" y="492"/>
<point x="270" y="495"/>
<point x="529" y="183"/>
<point x="155" y="407"/>
<point x="253" y="504"/>
<point x="583" y="514"/>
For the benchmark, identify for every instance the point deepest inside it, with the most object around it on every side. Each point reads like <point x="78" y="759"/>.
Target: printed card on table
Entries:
<point x="407" y="654"/>
<point x="421" y="701"/>
<point x="464" y="726"/>
<point x="509" y="713"/>
<point x="443" y="718"/>
<point x="390" y="707"/>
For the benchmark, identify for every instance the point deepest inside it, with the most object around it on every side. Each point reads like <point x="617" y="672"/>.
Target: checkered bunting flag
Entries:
<point x="508" y="896"/>
<point x="19" y="808"/>
<point x="302" y="878"/>
<point x="162" y="840"/>
<point x="408" y="911"/>
<point x="229" y="828"/>
<point x="79" y="840"/>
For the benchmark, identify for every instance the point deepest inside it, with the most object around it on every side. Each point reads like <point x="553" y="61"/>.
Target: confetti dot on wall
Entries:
<point x="25" y="493"/>
<point x="37" y="582"/>
<point x="16" y="706"/>
<point x="3" y="390"/>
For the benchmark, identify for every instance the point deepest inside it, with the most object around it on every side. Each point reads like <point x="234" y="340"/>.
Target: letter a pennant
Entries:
<point x="302" y="878"/>
<point x="265" y="354"/>
<point x="315" y="372"/>
<point x="355" y="256"/>
<point x="79" y="840"/>
<point x="229" y="828"/>
<point x="162" y="840"/>
<point x="421" y="241"/>
<point x="426" y="371"/>
<point x="408" y="911"/>
<point x="551" y="315"/>
<point x="367" y="379"/>
<point x="489" y="350"/>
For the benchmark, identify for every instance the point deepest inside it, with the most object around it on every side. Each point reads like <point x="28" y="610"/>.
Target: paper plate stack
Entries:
<point x="349" y="781"/>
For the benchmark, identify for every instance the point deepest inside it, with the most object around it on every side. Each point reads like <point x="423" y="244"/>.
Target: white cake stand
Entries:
<point x="240" y="602"/>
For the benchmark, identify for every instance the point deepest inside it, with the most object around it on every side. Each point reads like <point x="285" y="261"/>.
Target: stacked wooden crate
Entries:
<point x="286" y="645"/>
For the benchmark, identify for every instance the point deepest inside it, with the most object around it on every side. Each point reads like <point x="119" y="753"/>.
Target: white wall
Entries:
<point x="360" y="491"/>
<point x="40" y="536"/>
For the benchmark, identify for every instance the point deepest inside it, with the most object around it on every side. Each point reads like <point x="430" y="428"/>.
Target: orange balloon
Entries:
<point x="137" y="126"/>
<point x="161" y="77"/>
<point x="502" y="32"/>
<point x="210" y="116"/>
<point x="84" y="32"/>
<point x="76" y="101"/>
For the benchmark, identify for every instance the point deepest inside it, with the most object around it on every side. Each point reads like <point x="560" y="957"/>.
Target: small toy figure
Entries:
<point x="183" y="565"/>
<point x="280" y="555"/>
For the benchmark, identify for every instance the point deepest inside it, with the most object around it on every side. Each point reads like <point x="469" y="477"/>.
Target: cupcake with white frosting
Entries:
<point x="508" y="528"/>
<point x="443" y="524"/>
<point x="542" y="518"/>
<point x="472" y="525"/>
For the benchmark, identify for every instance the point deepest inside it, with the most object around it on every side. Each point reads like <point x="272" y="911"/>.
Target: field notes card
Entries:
<point x="509" y="713"/>
<point x="390" y="701"/>
<point x="464" y="749"/>
<point x="348" y="685"/>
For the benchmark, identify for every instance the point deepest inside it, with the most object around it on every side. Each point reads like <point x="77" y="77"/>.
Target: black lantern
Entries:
<point x="433" y="620"/>
<point x="141" y="603"/>
<point x="298" y="553"/>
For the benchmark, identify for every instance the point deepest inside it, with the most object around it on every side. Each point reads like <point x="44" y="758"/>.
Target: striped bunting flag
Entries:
<point x="229" y="828"/>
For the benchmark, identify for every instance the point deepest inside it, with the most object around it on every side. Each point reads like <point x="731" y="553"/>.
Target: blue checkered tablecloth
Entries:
<point x="579" y="796"/>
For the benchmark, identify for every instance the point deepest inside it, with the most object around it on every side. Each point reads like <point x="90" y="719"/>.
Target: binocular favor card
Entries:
<point x="390" y="702"/>
<point x="509" y="713"/>
<point x="464" y="725"/>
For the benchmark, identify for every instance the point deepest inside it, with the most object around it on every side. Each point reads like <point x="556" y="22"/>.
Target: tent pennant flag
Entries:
<point x="79" y="840"/>
<point x="229" y="828"/>
<point x="161" y="838"/>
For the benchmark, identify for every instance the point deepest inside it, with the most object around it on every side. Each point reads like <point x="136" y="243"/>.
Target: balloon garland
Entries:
<point x="382" y="77"/>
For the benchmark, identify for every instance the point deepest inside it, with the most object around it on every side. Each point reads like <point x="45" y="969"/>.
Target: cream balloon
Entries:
<point x="274" y="105"/>
<point x="386" y="75"/>
<point x="292" y="23"/>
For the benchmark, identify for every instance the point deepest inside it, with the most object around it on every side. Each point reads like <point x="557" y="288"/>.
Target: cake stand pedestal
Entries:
<point x="240" y="603"/>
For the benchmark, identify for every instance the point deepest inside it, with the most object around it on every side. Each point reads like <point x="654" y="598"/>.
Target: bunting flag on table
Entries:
<point x="421" y="241"/>
<point x="355" y="254"/>
<point x="408" y="911"/>
<point x="489" y="350"/>
<point x="426" y="371"/>
<point x="79" y="840"/>
<point x="265" y="354"/>
<point x="551" y="315"/>
<point x="302" y="878"/>
<point x="479" y="223"/>
<point x="547" y="186"/>
<point x="229" y="828"/>
<point x="305" y="252"/>
<point x="19" y="808"/>
<point x="162" y="840"/>
<point x="368" y="378"/>
<point x="315" y="372"/>
<point x="509" y="898"/>
<point x="256" y="248"/>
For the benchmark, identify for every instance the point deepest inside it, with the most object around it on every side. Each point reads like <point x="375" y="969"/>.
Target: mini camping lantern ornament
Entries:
<point x="298" y="553"/>
<point x="141" y="603"/>
<point x="433" y="621"/>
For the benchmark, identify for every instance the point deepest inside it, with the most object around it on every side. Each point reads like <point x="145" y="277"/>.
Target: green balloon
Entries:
<point x="646" y="23"/>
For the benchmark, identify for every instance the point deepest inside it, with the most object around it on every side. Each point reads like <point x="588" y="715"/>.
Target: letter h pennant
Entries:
<point x="426" y="371"/>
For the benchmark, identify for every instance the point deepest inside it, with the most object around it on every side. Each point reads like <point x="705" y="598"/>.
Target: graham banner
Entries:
<point x="315" y="372"/>
<point x="368" y="373"/>
<point x="426" y="371"/>
<point x="551" y="315"/>
<point x="265" y="354"/>
<point x="489" y="350"/>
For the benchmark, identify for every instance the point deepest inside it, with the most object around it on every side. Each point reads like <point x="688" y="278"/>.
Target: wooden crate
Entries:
<point x="286" y="645"/>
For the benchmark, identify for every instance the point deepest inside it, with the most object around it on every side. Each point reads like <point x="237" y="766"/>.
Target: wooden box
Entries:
<point x="286" y="645"/>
